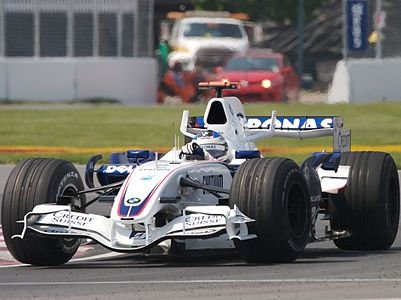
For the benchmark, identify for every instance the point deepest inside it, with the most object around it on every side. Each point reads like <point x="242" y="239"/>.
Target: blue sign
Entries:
<point x="357" y="24"/>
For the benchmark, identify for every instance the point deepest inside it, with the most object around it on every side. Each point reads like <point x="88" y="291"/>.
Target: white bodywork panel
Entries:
<point x="331" y="181"/>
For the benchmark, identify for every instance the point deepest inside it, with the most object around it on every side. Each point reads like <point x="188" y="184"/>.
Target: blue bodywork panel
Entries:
<point x="121" y="165"/>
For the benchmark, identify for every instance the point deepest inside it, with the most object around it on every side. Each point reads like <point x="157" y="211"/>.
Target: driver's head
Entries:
<point x="212" y="142"/>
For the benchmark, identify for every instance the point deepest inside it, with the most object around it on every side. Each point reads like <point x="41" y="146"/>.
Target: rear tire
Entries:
<point x="369" y="207"/>
<point x="32" y="182"/>
<point x="273" y="192"/>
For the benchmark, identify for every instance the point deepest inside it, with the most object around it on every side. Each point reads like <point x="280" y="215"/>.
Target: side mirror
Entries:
<point x="288" y="69"/>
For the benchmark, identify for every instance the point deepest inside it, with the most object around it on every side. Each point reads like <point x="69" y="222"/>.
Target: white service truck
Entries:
<point x="205" y="39"/>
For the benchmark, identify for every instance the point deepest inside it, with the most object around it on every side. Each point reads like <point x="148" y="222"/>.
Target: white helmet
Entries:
<point x="214" y="143"/>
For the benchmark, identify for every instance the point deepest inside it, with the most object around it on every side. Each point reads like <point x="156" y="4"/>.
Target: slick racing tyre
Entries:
<point x="369" y="206"/>
<point x="32" y="182"/>
<point x="274" y="193"/>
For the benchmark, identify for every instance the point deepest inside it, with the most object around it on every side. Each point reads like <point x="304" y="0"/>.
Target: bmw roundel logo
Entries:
<point x="133" y="201"/>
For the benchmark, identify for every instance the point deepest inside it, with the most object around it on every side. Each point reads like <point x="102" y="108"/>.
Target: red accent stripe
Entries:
<point x="150" y="196"/>
<point x="123" y="193"/>
<point x="155" y="189"/>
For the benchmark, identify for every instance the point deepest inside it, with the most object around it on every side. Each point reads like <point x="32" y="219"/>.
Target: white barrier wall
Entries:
<point x="131" y="80"/>
<point x="2" y="81"/>
<point x="366" y="80"/>
<point x="39" y="80"/>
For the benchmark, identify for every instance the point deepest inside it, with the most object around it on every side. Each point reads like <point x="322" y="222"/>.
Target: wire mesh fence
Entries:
<point x="76" y="28"/>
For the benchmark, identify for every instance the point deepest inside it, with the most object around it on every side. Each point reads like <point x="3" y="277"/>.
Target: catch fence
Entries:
<point x="76" y="28"/>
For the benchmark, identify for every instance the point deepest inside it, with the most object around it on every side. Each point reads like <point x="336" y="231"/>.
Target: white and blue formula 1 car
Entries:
<point x="215" y="192"/>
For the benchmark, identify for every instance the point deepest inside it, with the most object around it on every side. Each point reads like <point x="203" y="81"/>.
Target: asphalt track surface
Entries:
<point x="323" y="272"/>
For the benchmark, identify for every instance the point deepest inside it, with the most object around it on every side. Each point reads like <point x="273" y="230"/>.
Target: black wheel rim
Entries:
<point x="68" y="191"/>
<point x="296" y="210"/>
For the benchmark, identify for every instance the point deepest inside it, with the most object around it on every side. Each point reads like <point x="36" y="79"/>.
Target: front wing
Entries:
<point x="196" y="222"/>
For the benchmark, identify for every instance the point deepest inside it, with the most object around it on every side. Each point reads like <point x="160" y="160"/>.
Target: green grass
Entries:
<point x="121" y="126"/>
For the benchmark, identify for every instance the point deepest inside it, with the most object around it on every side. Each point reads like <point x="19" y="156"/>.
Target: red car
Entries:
<point x="263" y="76"/>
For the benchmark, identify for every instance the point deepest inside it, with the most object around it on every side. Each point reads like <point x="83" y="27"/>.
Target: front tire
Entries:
<point x="369" y="207"/>
<point x="273" y="192"/>
<point x="32" y="182"/>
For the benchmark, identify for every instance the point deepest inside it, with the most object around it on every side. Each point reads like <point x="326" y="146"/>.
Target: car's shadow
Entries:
<point x="224" y="259"/>
<point x="319" y="253"/>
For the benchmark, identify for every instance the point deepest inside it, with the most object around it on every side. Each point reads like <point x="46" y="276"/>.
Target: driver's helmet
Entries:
<point x="212" y="142"/>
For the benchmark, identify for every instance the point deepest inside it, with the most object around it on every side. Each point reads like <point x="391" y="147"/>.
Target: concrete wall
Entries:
<point x="2" y="81"/>
<point x="131" y="80"/>
<point x="366" y="80"/>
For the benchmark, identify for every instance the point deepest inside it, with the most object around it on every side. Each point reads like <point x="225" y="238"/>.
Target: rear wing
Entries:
<point x="300" y="127"/>
<point x="226" y="116"/>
